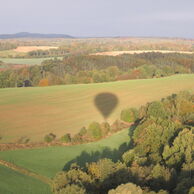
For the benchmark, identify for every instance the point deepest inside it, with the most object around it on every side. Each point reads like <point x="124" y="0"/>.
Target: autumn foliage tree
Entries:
<point x="43" y="82"/>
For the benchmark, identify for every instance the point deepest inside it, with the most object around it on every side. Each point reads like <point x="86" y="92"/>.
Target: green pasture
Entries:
<point x="50" y="160"/>
<point x="25" y="61"/>
<point x="12" y="182"/>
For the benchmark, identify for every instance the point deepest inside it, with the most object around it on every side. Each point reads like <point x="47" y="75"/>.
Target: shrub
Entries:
<point x="77" y="138"/>
<point x="142" y="112"/>
<point x="128" y="157"/>
<point x="83" y="131"/>
<point x="105" y="127"/>
<point x="156" y="109"/>
<point x="129" y="115"/>
<point x="66" y="138"/>
<point x="49" y="138"/>
<point x="132" y="156"/>
<point x="94" y="130"/>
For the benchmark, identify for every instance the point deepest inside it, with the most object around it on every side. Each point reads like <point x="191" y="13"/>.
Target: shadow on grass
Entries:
<point x="108" y="99"/>
<point x="114" y="154"/>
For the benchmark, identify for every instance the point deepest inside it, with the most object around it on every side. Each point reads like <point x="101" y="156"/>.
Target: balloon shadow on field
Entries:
<point x="106" y="102"/>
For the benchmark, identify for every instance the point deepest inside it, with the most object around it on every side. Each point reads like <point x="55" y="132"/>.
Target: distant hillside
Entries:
<point x="33" y="35"/>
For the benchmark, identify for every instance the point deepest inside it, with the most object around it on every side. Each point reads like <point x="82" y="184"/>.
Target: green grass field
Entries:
<point x="25" y="61"/>
<point x="35" y="112"/>
<point x="48" y="161"/>
<point x="12" y="182"/>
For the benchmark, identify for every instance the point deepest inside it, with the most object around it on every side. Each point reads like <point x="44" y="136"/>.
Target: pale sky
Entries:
<point x="169" y="18"/>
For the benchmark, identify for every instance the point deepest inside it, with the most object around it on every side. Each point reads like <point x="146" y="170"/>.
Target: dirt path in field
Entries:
<point x="25" y="171"/>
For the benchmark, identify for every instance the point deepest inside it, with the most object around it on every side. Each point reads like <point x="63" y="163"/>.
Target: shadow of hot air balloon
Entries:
<point x="106" y="103"/>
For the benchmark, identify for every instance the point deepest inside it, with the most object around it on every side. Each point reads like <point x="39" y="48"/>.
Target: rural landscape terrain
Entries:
<point x="96" y="115"/>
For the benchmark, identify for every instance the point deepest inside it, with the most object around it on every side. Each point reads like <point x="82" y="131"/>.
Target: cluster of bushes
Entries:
<point x="129" y="115"/>
<point x="46" y="53"/>
<point x="95" y="69"/>
<point x="160" y="159"/>
<point x="49" y="138"/>
<point x="95" y="131"/>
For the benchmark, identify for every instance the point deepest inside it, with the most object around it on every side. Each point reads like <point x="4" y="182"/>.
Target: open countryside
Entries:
<point x="97" y="97"/>
<point x="35" y="112"/>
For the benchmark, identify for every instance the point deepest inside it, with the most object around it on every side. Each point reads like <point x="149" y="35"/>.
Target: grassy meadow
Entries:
<point x="34" y="112"/>
<point x="12" y="182"/>
<point x="48" y="161"/>
<point x="25" y="61"/>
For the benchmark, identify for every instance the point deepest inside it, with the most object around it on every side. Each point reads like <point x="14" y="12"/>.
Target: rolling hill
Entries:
<point x="33" y="35"/>
<point x="34" y="112"/>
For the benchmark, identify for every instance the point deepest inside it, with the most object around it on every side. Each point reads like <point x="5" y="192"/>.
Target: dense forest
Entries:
<point x="159" y="157"/>
<point x="76" y="69"/>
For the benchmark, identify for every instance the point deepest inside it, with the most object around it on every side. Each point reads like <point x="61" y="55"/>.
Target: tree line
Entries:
<point x="77" y="69"/>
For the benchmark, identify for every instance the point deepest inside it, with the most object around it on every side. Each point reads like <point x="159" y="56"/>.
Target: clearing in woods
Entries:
<point x="34" y="112"/>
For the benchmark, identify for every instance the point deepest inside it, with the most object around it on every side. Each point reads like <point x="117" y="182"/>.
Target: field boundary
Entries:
<point x="18" y="146"/>
<point x="25" y="171"/>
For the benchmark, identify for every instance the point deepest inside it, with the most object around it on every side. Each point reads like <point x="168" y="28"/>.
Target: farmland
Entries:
<point x="34" y="112"/>
<point x="48" y="161"/>
<point x="14" y="182"/>
<point x="97" y="97"/>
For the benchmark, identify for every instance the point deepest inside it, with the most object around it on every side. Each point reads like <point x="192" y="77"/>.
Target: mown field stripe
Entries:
<point x="25" y="171"/>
